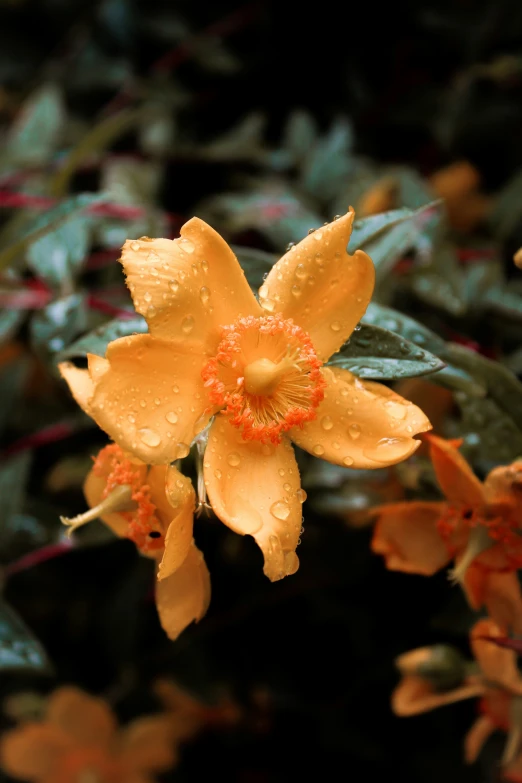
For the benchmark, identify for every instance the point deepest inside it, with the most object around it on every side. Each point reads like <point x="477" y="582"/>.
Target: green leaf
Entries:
<point x="327" y="165"/>
<point x="97" y="341"/>
<point x="368" y="229"/>
<point x="376" y="353"/>
<point x="300" y="134"/>
<point x="10" y="320"/>
<point x="442" y="284"/>
<point x="507" y="208"/>
<point x="34" y="135"/>
<point x="19" y="649"/>
<point x="57" y="324"/>
<point x="491" y="436"/>
<point x="403" y="325"/>
<point x="58" y="256"/>
<point x="14" y="473"/>
<point x="51" y="220"/>
<point x="13" y="377"/>
<point x="256" y="264"/>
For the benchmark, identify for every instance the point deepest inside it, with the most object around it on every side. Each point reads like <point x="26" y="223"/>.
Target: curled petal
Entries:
<point x="499" y="592"/>
<point x="146" y="744"/>
<point x="476" y="737"/>
<point x="188" y="287"/>
<point x="80" y="384"/>
<point x="361" y="424"/>
<point x="406" y="535"/>
<point x="255" y="489"/>
<point x="150" y="398"/>
<point x="93" y="490"/>
<point x="86" y="719"/>
<point x="175" y="500"/>
<point x="455" y="477"/>
<point x="321" y="287"/>
<point x="33" y="751"/>
<point x="414" y="695"/>
<point x="498" y="664"/>
<point x="184" y="596"/>
<point x="503" y="488"/>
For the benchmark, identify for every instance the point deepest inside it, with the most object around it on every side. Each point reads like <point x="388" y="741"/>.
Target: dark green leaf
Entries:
<point x="327" y="164"/>
<point x="507" y="208"/>
<point x="368" y="229"/>
<point x="491" y="436"/>
<point x="13" y="477"/>
<point x="442" y="284"/>
<point x="34" y="135"/>
<point x="97" y="341"/>
<point x="300" y="134"/>
<point x="13" y="377"/>
<point x="10" y="320"/>
<point x="376" y="353"/>
<point x="57" y="256"/>
<point x="256" y="264"/>
<point x="406" y="327"/>
<point x="57" y="324"/>
<point x="19" y="649"/>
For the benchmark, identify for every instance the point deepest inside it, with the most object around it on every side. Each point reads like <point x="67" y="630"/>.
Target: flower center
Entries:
<point x="265" y="377"/>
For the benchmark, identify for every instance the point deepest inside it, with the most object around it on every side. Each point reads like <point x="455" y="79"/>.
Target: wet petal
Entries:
<point x="79" y="382"/>
<point x="498" y="664"/>
<point x="146" y="744"/>
<point x="84" y="718"/>
<point x="33" y="751"/>
<point x="255" y="489"/>
<point x="184" y="596"/>
<point x="476" y="737"/>
<point x="150" y="399"/>
<point x="188" y="287"/>
<point x="321" y="287"/>
<point x="499" y="592"/>
<point x="503" y="488"/>
<point x="414" y="695"/>
<point x="361" y="424"/>
<point x="406" y="535"/>
<point x="454" y="474"/>
<point x="93" y="490"/>
<point x="173" y="495"/>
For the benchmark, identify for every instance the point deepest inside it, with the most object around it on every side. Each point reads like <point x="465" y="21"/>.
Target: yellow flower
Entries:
<point x="214" y="349"/>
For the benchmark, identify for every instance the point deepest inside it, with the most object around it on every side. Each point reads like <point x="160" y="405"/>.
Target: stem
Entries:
<point x="119" y="500"/>
<point x="478" y="542"/>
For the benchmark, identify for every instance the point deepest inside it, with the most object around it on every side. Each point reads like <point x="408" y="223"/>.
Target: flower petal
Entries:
<point x="454" y="474"/>
<point x="79" y="382"/>
<point x="175" y="500"/>
<point x="188" y="287"/>
<point x="184" y="596"/>
<point x="33" y="751"/>
<point x="93" y="489"/>
<point x="254" y="489"/>
<point x="498" y="664"/>
<point x="503" y="488"/>
<point x="361" y="424"/>
<point x="406" y="535"/>
<point x="321" y="287"/>
<point x="414" y="696"/>
<point x="499" y="592"/>
<point x="476" y="737"/>
<point x="150" y="397"/>
<point x="146" y="744"/>
<point x="86" y="719"/>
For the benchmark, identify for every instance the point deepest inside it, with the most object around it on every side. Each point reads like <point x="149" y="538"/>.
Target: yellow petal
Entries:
<point x="414" y="695"/>
<point x="321" y="287"/>
<point x="498" y="664"/>
<point x="476" y="737"/>
<point x="150" y="398"/>
<point x="255" y="489"/>
<point x="174" y="498"/>
<point x="406" y="535"/>
<point x="361" y="424"/>
<point x="93" y="490"/>
<point x="184" y="596"/>
<point x="33" y="751"/>
<point x="86" y="719"/>
<point x="454" y="474"/>
<point x="188" y="287"/>
<point x="80" y="384"/>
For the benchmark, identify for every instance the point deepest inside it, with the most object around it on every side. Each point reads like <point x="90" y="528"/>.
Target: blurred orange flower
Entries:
<point x="154" y="508"/>
<point x="478" y="526"/>
<point x="189" y="716"/>
<point x="214" y="348"/>
<point x="79" y="742"/>
<point x="495" y="679"/>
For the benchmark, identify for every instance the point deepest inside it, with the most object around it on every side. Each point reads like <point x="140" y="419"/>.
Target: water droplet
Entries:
<point x="296" y="290"/>
<point x="131" y="418"/>
<point x="336" y="217"/>
<point x="143" y="403"/>
<point x="318" y="450"/>
<point x="186" y="245"/>
<point x="263" y="292"/>
<point x="174" y="286"/>
<point x="311" y="280"/>
<point x="217" y="473"/>
<point x="204" y="294"/>
<point x="171" y="417"/>
<point x="151" y="310"/>
<point x="395" y="409"/>
<point x="335" y="326"/>
<point x="234" y="459"/>
<point x="354" y="430"/>
<point x="147" y="297"/>
<point x="300" y="271"/>
<point x="348" y="461"/>
<point x="287" y="487"/>
<point x="204" y="266"/>
<point x="157" y="401"/>
<point x="149" y="437"/>
<point x="311" y="230"/>
<point x="327" y="423"/>
<point x="290" y="246"/>
<point x="175" y="388"/>
<point x="280" y="510"/>
<point x="281" y="471"/>
<point x="182" y="450"/>
<point x="187" y="324"/>
<point x="345" y="392"/>
<point x="135" y="246"/>
<point x="301" y="495"/>
<point x="268" y="305"/>
<point x="318" y="235"/>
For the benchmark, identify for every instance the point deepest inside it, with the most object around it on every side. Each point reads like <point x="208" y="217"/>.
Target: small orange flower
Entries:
<point x="478" y="526"/>
<point x="189" y="715"/>
<point x="154" y="508"/>
<point x="213" y="348"/>
<point x="496" y="680"/>
<point x="78" y="742"/>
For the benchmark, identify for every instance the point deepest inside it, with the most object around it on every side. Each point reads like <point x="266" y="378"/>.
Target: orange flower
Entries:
<point x="478" y="525"/>
<point x="213" y="348"/>
<point x="189" y="715"/>
<point x="154" y="508"/>
<point x="496" y="680"/>
<point x="79" y="741"/>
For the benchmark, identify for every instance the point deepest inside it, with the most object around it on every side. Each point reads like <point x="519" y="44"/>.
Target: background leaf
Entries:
<point x="57" y="324"/>
<point x="19" y="649"/>
<point x="97" y="341"/>
<point x="58" y="256"/>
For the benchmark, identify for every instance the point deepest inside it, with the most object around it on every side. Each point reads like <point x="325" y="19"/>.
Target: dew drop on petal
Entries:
<point x="335" y="326"/>
<point x="131" y="418"/>
<point x="281" y="471"/>
<point x="318" y="235"/>
<point x="143" y="403"/>
<point x="171" y="417"/>
<point x="157" y="401"/>
<point x="387" y="449"/>
<point x="318" y="450"/>
<point x="300" y="271"/>
<point x="147" y="296"/>
<point x="354" y="430"/>
<point x="287" y="487"/>
<point x="217" y="473"/>
<point x="186" y="245"/>
<point x="327" y="423"/>
<point x="182" y="450"/>
<point x="187" y="324"/>
<point x="174" y="286"/>
<point x="175" y="388"/>
<point x="204" y="294"/>
<point x="280" y="510"/>
<point x="263" y="292"/>
<point x="268" y="305"/>
<point x="301" y="495"/>
<point x="296" y="290"/>
<point x="149" y="437"/>
<point x="204" y="266"/>
<point x="234" y="459"/>
<point x="348" y="461"/>
<point x="135" y="246"/>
